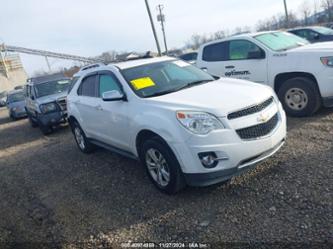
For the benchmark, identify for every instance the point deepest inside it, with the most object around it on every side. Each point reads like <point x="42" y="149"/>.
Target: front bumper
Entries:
<point x="237" y="155"/>
<point x="53" y="118"/>
<point x="206" y="179"/>
<point x="19" y="113"/>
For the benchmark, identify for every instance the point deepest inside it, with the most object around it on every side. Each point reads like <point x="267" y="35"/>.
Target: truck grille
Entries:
<point x="260" y="130"/>
<point x="62" y="103"/>
<point x="251" y="110"/>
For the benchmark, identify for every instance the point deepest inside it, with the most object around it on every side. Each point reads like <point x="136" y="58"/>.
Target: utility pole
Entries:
<point x="153" y="28"/>
<point x="286" y="11"/>
<point x="161" y="18"/>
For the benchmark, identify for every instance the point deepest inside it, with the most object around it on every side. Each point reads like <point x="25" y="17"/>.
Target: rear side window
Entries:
<point x="88" y="86"/>
<point x="108" y="83"/>
<point x="215" y="52"/>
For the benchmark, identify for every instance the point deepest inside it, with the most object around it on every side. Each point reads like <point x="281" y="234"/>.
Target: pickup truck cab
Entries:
<point x="185" y="127"/>
<point x="301" y="73"/>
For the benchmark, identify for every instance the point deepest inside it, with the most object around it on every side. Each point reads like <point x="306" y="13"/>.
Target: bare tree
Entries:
<point x="327" y="5"/>
<point x="306" y="12"/>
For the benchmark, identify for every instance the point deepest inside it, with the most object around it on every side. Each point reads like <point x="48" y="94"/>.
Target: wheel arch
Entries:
<point x="71" y="120"/>
<point x="283" y="77"/>
<point x="144" y="135"/>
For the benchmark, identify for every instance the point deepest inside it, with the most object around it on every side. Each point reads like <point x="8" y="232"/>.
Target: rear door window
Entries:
<point x="88" y="86"/>
<point x="215" y="52"/>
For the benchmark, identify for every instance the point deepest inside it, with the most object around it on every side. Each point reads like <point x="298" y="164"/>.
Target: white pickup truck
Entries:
<point x="299" y="72"/>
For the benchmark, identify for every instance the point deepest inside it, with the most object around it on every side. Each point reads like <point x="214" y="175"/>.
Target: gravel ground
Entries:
<point x="53" y="196"/>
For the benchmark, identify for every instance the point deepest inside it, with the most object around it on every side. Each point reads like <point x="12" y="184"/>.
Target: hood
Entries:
<point x="217" y="97"/>
<point x="315" y="47"/>
<point x="51" y="98"/>
<point x="20" y="104"/>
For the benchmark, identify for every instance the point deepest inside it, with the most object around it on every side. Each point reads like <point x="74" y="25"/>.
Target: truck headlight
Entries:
<point x="49" y="107"/>
<point x="327" y="61"/>
<point x="199" y="122"/>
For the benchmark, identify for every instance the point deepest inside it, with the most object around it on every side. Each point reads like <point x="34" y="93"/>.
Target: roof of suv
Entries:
<point x="140" y="62"/>
<point x="123" y="65"/>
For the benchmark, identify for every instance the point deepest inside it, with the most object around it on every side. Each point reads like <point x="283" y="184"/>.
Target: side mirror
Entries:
<point x="316" y="36"/>
<point x="113" y="95"/>
<point x="259" y="54"/>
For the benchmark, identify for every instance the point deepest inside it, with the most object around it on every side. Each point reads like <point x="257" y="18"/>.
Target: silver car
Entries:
<point x="16" y="104"/>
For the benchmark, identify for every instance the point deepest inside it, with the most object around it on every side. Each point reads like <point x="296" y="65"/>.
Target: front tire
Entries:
<point x="162" y="166"/>
<point x="33" y="123"/>
<point x="300" y="97"/>
<point x="81" y="140"/>
<point x="46" y="130"/>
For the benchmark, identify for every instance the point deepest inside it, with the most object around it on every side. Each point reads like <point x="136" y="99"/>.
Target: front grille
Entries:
<point x="251" y="110"/>
<point x="62" y="103"/>
<point x="260" y="130"/>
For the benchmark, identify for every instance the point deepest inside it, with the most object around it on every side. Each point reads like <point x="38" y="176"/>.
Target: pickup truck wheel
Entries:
<point x="300" y="97"/>
<point x="162" y="166"/>
<point x="33" y="123"/>
<point x="81" y="140"/>
<point x="46" y="130"/>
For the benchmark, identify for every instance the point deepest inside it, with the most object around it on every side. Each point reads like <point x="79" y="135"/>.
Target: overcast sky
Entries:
<point x="88" y="28"/>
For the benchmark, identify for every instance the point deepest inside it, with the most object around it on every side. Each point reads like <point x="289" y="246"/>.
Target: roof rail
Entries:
<point x="92" y="66"/>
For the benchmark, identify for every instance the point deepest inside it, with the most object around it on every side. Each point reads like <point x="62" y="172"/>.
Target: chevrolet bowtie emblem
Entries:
<point x="263" y="117"/>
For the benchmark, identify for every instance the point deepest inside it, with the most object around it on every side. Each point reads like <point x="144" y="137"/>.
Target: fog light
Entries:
<point x="208" y="159"/>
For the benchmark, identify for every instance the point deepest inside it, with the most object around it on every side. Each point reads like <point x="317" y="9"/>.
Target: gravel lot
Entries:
<point x="51" y="195"/>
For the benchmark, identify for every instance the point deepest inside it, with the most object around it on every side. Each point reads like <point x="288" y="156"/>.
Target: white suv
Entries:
<point x="184" y="126"/>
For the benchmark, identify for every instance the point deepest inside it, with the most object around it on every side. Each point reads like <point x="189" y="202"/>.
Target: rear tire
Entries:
<point x="81" y="140"/>
<point x="162" y="166"/>
<point x="300" y="97"/>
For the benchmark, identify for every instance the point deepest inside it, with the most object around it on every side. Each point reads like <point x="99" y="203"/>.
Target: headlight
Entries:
<point x="49" y="107"/>
<point x="327" y="61"/>
<point x="199" y="122"/>
<point x="14" y="109"/>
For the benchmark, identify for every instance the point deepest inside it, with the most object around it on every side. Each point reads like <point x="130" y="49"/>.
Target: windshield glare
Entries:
<point x="15" y="97"/>
<point x="323" y="30"/>
<point x="281" y="41"/>
<point x="163" y="77"/>
<point x="52" y="87"/>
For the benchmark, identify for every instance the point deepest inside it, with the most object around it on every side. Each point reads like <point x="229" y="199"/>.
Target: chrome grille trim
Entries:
<point x="251" y="110"/>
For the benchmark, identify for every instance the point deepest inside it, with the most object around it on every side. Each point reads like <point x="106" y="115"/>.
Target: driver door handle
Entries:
<point x="99" y="108"/>
<point x="230" y="67"/>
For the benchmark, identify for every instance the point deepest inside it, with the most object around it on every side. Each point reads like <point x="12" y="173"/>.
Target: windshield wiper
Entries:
<point x="194" y="83"/>
<point x="161" y="93"/>
<point x="188" y="85"/>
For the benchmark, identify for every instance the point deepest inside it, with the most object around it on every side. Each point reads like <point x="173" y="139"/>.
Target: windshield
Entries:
<point x="323" y="30"/>
<point x="15" y="97"/>
<point x="164" y="77"/>
<point x="52" y="87"/>
<point x="281" y="41"/>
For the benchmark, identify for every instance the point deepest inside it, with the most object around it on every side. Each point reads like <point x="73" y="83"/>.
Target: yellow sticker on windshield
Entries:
<point x="142" y="83"/>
